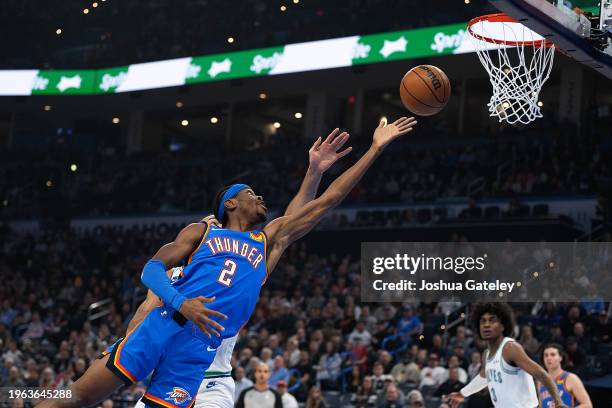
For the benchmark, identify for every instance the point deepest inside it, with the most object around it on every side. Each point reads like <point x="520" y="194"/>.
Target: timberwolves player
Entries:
<point x="506" y="368"/>
<point x="217" y="389"/>
<point x="228" y="265"/>
<point x="569" y="385"/>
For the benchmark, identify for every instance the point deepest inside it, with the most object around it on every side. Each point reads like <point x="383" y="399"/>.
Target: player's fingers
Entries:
<point x="331" y="136"/>
<point x="382" y="123"/>
<point x="344" y="152"/>
<point x="210" y="323"/>
<point x="316" y="144"/>
<point x="400" y="120"/>
<point x="206" y="299"/>
<point x="210" y="312"/>
<point x="339" y="141"/>
<point x="203" y="328"/>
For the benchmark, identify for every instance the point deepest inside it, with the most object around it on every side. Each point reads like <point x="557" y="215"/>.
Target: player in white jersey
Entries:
<point x="506" y="369"/>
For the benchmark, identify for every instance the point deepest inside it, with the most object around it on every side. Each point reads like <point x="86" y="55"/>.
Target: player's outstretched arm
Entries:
<point x="322" y="155"/>
<point x="514" y="352"/>
<point x="285" y="230"/>
<point x="154" y="277"/>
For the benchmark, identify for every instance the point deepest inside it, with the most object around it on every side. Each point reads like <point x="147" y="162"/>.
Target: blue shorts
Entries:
<point x="177" y="355"/>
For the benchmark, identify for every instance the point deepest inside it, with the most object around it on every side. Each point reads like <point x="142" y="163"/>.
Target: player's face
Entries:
<point x="490" y="327"/>
<point x="252" y="206"/>
<point x="552" y="358"/>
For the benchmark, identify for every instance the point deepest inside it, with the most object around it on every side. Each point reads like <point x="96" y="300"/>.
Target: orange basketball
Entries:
<point x="425" y="90"/>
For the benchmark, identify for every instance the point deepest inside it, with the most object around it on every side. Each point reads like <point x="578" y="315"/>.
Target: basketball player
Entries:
<point x="570" y="387"/>
<point x="506" y="368"/>
<point x="228" y="265"/>
<point x="217" y="389"/>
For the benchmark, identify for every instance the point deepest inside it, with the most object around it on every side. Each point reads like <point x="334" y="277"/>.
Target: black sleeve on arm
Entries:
<point x="240" y="403"/>
<point x="278" y="401"/>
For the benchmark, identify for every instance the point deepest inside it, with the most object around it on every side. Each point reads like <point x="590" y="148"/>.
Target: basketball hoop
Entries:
<point x="516" y="76"/>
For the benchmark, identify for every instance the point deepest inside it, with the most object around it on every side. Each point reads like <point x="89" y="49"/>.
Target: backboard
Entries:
<point x="581" y="29"/>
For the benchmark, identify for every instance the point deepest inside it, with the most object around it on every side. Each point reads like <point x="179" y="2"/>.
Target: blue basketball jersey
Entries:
<point x="566" y="396"/>
<point x="231" y="266"/>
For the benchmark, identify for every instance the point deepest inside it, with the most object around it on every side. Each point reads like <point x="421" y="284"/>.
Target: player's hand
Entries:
<point x="211" y="220"/>
<point x="386" y="133"/>
<point x="323" y="154"/>
<point x="455" y="399"/>
<point x="194" y="310"/>
<point x="560" y="404"/>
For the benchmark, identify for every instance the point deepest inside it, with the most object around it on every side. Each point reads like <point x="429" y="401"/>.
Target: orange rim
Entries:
<point x="504" y="18"/>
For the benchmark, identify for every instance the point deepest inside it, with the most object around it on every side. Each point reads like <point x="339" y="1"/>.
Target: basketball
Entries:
<point x="425" y="90"/>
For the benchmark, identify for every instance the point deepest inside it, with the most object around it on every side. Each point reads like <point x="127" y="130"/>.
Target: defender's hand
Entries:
<point x="385" y="134"/>
<point x="455" y="399"/>
<point x="194" y="310"/>
<point x="323" y="154"/>
<point x="211" y="220"/>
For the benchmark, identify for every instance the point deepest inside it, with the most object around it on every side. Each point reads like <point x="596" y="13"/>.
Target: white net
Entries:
<point x="516" y="71"/>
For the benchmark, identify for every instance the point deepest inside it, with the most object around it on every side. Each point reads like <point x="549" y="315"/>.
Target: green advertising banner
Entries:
<point x="291" y="58"/>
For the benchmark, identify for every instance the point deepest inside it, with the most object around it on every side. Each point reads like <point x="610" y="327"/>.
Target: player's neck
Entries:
<point x="494" y="344"/>
<point x="238" y="225"/>
<point x="556" y="372"/>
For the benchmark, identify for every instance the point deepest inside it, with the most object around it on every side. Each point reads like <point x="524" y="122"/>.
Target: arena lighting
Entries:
<point x="184" y="122"/>
<point x="86" y="11"/>
<point x="49" y="183"/>
<point x="296" y="1"/>
<point x="298" y="115"/>
<point x="58" y="31"/>
<point x="276" y="125"/>
<point x="214" y="120"/>
<point x="115" y="120"/>
<point x="283" y="8"/>
<point x="230" y="40"/>
<point x="262" y="96"/>
<point x="466" y="1"/>
<point x="94" y="5"/>
<point x="47" y="108"/>
<point x="540" y="104"/>
<point x="179" y="104"/>
<point x="73" y="167"/>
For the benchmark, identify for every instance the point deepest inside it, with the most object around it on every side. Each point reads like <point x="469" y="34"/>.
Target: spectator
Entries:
<point x="366" y="394"/>
<point x="475" y="364"/>
<point x="451" y="385"/>
<point x="583" y="339"/>
<point x="414" y="399"/>
<point x="409" y="325"/>
<point x="289" y="400"/>
<point x="433" y="375"/>
<point x="260" y="395"/>
<point x="14" y="379"/>
<point x="453" y="362"/>
<point x="361" y="333"/>
<point x="602" y="328"/>
<point x="576" y="356"/>
<point x="378" y="377"/>
<point x="280" y="372"/>
<point x="392" y="398"/>
<point x="329" y="366"/>
<point x="315" y="399"/>
<point x="242" y="382"/>
<point x="406" y="371"/>
<point x="529" y="343"/>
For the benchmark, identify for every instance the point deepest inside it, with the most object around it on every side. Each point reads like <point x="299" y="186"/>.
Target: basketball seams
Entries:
<point x="445" y="82"/>
<point x="417" y="99"/>
<point x="433" y="92"/>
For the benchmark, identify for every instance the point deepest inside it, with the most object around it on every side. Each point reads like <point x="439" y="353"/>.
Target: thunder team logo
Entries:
<point x="179" y="395"/>
<point x="257" y="236"/>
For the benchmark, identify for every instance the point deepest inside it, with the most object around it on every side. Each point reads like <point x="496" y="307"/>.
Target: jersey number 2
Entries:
<point x="226" y="275"/>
